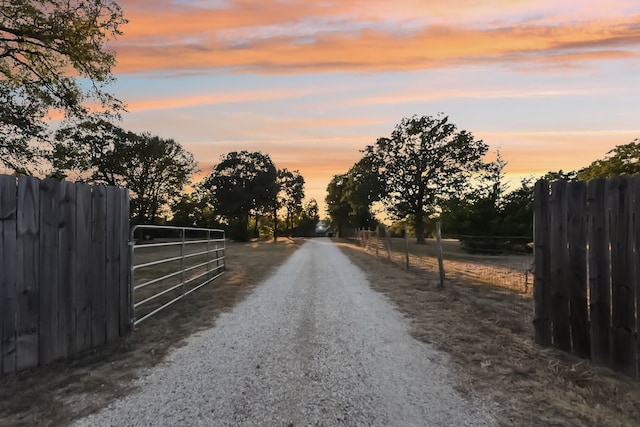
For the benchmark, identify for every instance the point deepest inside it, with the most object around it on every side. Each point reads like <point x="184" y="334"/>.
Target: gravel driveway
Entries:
<point x="313" y="345"/>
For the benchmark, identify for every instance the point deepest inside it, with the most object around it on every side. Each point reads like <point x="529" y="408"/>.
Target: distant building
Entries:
<point x="322" y="229"/>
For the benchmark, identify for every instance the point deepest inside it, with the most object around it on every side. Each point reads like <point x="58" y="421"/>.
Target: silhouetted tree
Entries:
<point x="423" y="161"/>
<point x="194" y="210"/>
<point x="309" y="219"/>
<point x="362" y="189"/>
<point x="338" y="206"/>
<point x="289" y="198"/>
<point x="622" y="160"/>
<point x="47" y="48"/>
<point x="242" y="185"/>
<point x="154" y="169"/>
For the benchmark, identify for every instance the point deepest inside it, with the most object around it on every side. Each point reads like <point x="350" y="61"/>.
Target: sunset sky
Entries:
<point x="552" y="84"/>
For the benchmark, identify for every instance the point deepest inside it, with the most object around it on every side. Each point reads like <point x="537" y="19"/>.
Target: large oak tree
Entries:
<point x="242" y="185"/>
<point x="424" y="160"/>
<point x="338" y="206"/>
<point x="289" y="198"/>
<point x="155" y="170"/>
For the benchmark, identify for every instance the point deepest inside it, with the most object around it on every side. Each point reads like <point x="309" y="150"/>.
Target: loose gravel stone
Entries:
<point x="312" y="346"/>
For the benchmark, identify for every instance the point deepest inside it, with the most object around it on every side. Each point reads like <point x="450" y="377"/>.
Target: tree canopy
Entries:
<point x="46" y="47"/>
<point x="424" y="160"/>
<point x="309" y="218"/>
<point x="351" y="195"/>
<point x="338" y="206"/>
<point x="622" y="160"/>
<point x="193" y="210"/>
<point x="289" y="198"/>
<point x="154" y="169"/>
<point x="242" y="185"/>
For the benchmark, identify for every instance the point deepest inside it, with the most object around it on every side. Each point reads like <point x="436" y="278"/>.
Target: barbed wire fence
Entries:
<point x="495" y="273"/>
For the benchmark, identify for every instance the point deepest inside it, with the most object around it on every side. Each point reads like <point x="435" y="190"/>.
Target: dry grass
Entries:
<point x="505" y="270"/>
<point x="492" y="357"/>
<point x="64" y="391"/>
<point x="496" y="359"/>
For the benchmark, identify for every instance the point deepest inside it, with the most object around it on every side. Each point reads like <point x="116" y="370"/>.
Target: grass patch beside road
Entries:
<point x="527" y="385"/>
<point x="67" y="390"/>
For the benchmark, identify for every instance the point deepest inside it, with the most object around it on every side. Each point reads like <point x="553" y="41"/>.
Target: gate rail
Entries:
<point x="197" y="262"/>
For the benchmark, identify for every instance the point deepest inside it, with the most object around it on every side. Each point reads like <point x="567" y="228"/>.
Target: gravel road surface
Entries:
<point x="312" y="346"/>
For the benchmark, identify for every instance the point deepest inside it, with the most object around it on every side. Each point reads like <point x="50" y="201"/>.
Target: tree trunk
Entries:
<point x="255" y="227"/>
<point x="241" y="228"/>
<point x="288" y="224"/>
<point x="275" y="224"/>
<point x="419" y="226"/>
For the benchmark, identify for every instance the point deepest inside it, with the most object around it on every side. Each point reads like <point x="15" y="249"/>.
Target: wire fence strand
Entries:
<point x="495" y="272"/>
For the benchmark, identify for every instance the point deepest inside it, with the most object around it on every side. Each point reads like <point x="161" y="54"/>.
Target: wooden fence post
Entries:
<point x="636" y="260"/>
<point x="66" y="268"/>
<point x="599" y="285"/>
<point x="82" y="303"/>
<point x="98" y="282"/>
<point x="559" y="264"/>
<point x="125" y="292"/>
<point x="577" y="240"/>
<point x="49" y="287"/>
<point x="112" y="311"/>
<point x="440" y="260"/>
<point x="388" y="238"/>
<point x="541" y="281"/>
<point x="27" y="285"/>
<point x="623" y="350"/>
<point x="8" y="262"/>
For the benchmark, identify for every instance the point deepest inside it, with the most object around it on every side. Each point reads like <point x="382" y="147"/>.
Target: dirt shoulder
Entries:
<point x="524" y="383"/>
<point x="64" y="391"/>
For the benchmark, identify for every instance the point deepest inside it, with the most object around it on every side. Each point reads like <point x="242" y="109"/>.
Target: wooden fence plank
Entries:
<point x="558" y="267"/>
<point x="622" y="298"/>
<point x="577" y="240"/>
<point x="125" y="292"/>
<point x="83" y="247"/>
<point x="66" y="266"/>
<point x="599" y="284"/>
<point x="112" y="295"/>
<point x="635" y="244"/>
<point x="8" y="262"/>
<point x="97" y="284"/>
<point x="28" y="235"/>
<point x="64" y="284"/>
<point x="542" y="320"/>
<point x="49" y="339"/>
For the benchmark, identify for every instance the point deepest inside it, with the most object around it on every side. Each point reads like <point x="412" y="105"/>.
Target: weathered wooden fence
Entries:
<point x="63" y="269"/>
<point x="587" y="269"/>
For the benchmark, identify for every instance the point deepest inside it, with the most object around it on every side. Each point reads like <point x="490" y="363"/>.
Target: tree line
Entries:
<point x="244" y="193"/>
<point x="54" y="60"/>
<point x="249" y="196"/>
<point x="427" y="170"/>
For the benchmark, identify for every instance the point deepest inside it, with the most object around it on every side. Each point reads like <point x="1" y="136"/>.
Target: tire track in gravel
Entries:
<point x="313" y="345"/>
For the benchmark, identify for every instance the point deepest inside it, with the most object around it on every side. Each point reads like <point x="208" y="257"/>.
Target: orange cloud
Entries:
<point x="215" y="98"/>
<point x="272" y="37"/>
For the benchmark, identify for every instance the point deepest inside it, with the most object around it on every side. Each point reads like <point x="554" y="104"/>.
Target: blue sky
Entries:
<point x="552" y="84"/>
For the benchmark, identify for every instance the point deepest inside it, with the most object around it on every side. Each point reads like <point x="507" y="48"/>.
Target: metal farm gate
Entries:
<point x="167" y="263"/>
